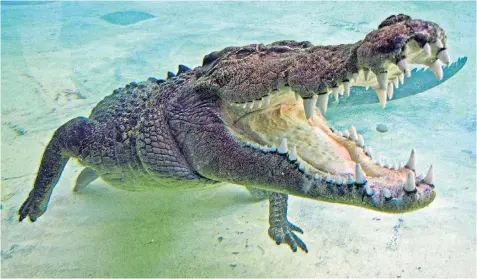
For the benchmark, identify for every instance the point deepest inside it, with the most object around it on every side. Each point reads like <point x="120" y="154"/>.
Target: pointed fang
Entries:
<point x="283" y="148"/>
<point x="411" y="163"/>
<point x="273" y="148"/>
<point x="404" y="67"/>
<point x="309" y="105"/>
<point x="346" y="86"/>
<point x="353" y="133"/>
<point x="390" y="91"/>
<point x="292" y="156"/>
<point x="323" y="102"/>
<point x="436" y="67"/>
<point x="382" y="97"/>
<point x="401" y="78"/>
<point x="360" y="175"/>
<point x="383" y="80"/>
<point x="444" y="56"/>
<point x="427" y="49"/>
<point x="410" y="184"/>
<point x="367" y="74"/>
<point x="360" y="140"/>
<point x="429" y="179"/>
<point x="439" y="43"/>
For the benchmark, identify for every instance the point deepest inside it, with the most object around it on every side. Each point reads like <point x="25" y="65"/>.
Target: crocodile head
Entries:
<point x="272" y="99"/>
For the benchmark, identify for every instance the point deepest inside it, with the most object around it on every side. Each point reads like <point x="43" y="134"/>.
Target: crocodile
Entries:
<point x="254" y="116"/>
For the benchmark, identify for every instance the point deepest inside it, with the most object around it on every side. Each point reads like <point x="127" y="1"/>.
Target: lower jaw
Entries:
<point x="315" y="142"/>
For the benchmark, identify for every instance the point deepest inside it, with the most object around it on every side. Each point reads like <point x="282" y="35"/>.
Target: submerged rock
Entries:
<point x="126" y="17"/>
<point x="381" y="128"/>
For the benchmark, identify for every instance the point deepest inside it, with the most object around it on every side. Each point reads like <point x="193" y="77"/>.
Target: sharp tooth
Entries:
<point x="346" y="86"/>
<point x="283" y="148"/>
<point x="353" y="133"/>
<point x="436" y="67"/>
<point x="427" y="49"/>
<point x="264" y="149"/>
<point x="429" y="179"/>
<point x="258" y="103"/>
<point x="301" y="166"/>
<point x="439" y="43"/>
<point x="404" y="67"/>
<point x="273" y="148"/>
<point x="383" y="80"/>
<point x="309" y="105"/>
<point x="328" y="178"/>
<point x="360" y="140"/>
<point x="401" y="78"/>
<point x="396" y="82"/>
<point x="297" y="96"/>
<point x="276" y="92"/>
<point x="382" y="97"/>
<point x="292" y="155"/>
<point x="336" y="93"/>
<point x="367" y="74"/>
<point x="323" y="102"/>
<point x="410" y="184"/>
<point x="341" y="91"/>
<point x="360" y="175"/>
<point x="350" y="180"/>
<point x="355" y="77"/>
<point x="390" y="91"/>
<point x="380" y="163"/>
<point x="387" y="193"/>
<point x="411" y="163"/>
<point x="266" y="100"/>
<point x="346" y="134"/>
<point x="367" y="87"/>
<point x="444" y="56"/>
<point x="249" y="105"/>
<point x="368" y="190"/>
<point x="247" y="143"/>
<point x="317" y="176"/>
<point x="369" y="151"/>
<point x="256" y="146"/>
<point x="244" y="105"/>
<point x="339" y="134"/>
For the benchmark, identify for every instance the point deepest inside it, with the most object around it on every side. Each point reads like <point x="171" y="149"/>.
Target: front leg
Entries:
<point x="280" y="228"/>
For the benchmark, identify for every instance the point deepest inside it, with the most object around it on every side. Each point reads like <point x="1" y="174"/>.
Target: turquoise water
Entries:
<point x="60" y="58"/>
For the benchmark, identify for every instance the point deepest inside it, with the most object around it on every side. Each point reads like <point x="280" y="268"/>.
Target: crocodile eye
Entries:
<point x="244" y="52"/>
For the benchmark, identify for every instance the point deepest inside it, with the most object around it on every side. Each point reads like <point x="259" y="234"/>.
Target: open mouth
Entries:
<point x="293" y="127"/>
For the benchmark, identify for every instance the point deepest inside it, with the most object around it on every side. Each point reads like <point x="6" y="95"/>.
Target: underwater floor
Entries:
<point x="59" y="59"/>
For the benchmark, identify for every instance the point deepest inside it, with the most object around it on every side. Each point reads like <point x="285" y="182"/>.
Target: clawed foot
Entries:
<point x="284" y="233"/>
<point x="33" y="207"/>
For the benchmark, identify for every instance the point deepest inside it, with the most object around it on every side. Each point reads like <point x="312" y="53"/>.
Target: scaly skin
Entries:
<point x="222" y="123"/>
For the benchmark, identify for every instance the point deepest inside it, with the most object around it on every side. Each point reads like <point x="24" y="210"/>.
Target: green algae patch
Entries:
<point x="126" y="17"/>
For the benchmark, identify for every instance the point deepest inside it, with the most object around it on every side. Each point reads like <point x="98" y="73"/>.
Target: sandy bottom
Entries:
<point x="48" y="56"/>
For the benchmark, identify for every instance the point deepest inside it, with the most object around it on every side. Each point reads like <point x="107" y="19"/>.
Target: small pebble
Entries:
<point x="381" y="128"/>
<point x="220" y="238"/>
<point x="401" y="220"/>
<point x="235" y="253"/>
<point x="233" y="265"/>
